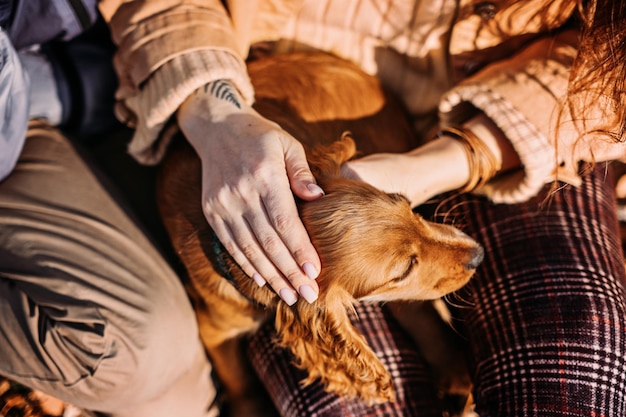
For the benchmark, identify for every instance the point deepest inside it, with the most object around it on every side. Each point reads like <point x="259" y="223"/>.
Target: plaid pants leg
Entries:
<point x="414" y="389"/>
<point x="547" y="316"/>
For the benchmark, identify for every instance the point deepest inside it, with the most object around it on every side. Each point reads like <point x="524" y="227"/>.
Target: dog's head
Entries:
<point x="373" y="247"/>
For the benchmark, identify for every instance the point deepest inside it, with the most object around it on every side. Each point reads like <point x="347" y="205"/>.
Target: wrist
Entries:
<point x="210" y="105"/>
<point x="214" y="102"/>
<point x="487" y="150"/>
<point x="483" y="163"/>
<point x="444" y="163"/>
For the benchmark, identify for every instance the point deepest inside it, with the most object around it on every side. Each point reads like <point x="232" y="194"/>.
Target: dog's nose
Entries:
<point x="477" y="257"/>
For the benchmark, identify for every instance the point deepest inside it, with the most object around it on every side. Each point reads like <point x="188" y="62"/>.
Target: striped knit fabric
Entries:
<point x="545" y="317"/>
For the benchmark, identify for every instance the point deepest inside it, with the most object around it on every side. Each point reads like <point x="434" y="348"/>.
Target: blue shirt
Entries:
<point x="23" y="24"/>
<point x="14" y="107"/>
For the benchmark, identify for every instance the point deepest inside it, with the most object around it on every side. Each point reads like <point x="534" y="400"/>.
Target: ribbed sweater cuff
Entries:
<point x="536" y="154"/>
<point x="153" y="107"/>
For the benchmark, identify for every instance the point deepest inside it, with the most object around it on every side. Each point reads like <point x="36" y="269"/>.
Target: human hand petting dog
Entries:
<point x="250" y="168"/>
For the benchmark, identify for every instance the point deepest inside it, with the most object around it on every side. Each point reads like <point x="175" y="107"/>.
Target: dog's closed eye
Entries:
<point x="411" y="265"/>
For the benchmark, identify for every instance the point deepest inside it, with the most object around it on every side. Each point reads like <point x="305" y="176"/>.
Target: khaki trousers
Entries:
<point x="90" y="312"/>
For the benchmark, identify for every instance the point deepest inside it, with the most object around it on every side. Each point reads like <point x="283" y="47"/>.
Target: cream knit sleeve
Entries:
<point x="523" y="96"/>
<point x="166" y="50"/>
<point x="537" y="155"/>
<point x="154" y="105"/>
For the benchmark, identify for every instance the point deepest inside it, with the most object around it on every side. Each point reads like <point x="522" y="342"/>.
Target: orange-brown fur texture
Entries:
<point x="372" y="246"/>
<point x="19" y="401"/>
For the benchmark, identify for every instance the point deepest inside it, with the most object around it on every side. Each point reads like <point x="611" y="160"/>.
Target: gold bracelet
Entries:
<point x="483" y="164"/>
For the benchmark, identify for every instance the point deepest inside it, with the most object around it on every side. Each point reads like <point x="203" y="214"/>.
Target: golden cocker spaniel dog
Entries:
<point x="371" y="244"/>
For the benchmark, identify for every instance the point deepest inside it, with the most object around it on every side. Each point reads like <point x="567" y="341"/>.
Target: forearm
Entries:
<point x="212" y="103"/>
<point x="443" y="164"/>
<point x="523" y="96"/>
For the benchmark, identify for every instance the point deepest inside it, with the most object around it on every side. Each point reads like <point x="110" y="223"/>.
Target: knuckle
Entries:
<point x="215" y="201"/>
<point x="210" y="215"/>
<point x="283" y="223"/>
<point x="302" y="171"/>
<point x="293" y="275"/>
<point x="275" y="281"/>
<point x="271" y="244"/>
<point x="249" y="249"/>
<point x="230" y="247"/>
<point x="300" y="253"/>
<point x="265" y="177"/>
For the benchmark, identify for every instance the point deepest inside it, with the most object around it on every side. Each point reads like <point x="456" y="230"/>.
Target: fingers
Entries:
<point x="287" y="243"/>
<point x="302" y="184"/>
<point x="253" y="242"/>
<point x="249" y="202"/>
<point x="284" y="255"/>
<point x="300" y="176"/>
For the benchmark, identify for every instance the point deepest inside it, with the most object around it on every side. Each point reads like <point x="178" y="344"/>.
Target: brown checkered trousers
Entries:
<point x="545" y="317"/>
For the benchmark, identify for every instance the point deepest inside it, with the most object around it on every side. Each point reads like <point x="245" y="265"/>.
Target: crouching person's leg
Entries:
<point x="89" y="311"/>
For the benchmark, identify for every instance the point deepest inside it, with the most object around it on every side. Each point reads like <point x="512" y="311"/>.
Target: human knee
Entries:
<point x="107" y="363"/>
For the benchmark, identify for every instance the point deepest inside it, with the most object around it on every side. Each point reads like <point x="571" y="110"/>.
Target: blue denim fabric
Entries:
<point x="14" y="105"/>
<point x="6" y="9"/>
<point x="31" y="23"/>
<point x="36" y="22"/>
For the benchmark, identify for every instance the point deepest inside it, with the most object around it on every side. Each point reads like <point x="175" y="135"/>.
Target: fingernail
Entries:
<point x="288" y="296"/>
<point x="310" y="270"/>
<point x="314" y="188"/>
<point x="260" y="281"/>
<point x="308" y="293"/>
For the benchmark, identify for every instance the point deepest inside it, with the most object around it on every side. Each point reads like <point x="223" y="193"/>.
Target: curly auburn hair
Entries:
<point x="596" y="99"/>
<point x="598" y="75"/>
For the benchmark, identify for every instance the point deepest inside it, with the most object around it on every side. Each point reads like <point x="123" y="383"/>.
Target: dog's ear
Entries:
<point x="329" y="348"/>
<point x="325" y="161"/>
